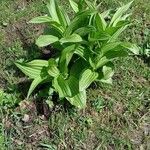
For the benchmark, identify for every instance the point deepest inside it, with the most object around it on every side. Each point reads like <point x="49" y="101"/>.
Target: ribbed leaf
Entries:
<point x="45" y="40"/>
<point x="118" y="51"/>
<point x="105" y="13"/>
<point x="34" y="84"/>
<point x="120" y="19"/>
<point x="100" y="22"/>
<point x="73" y="83"/>
<point x="86" y="78"/>
<point x="82" y="52"/>
<point x="62" y="87"/>
<point x="99" y="62"/>
<point x="120" y="12"/>
<point x="90" y="4"/>
<point x="28" y="71"/>
<point x="63" y="17"/>
<point x="74" y="5"/>
<point x="133" y="48"/>
<point x="78" y="100"/>
<point x="85" y="30"/>
<point x="98" y="36"/>
<point x="65" y="58"/>
<point x="109" y="46"/>
<point x="108" y="71"/>
<point x="52" y="10"/>
<point x="78" y="66"/>
<point x="74" y="38"/>
<point x="38" y="63"/>
<point x="52" y="68"/>
<point x="33" y="68"/>
<point x="41" y="19"/>
<point x="117" y="33"/>
<point x="79" y="21"/>
<point x="46" y="19"/>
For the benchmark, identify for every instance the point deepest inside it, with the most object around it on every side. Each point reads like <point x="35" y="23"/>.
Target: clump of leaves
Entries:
<point x="86" y="46"/>
<point x="7" y="100"/>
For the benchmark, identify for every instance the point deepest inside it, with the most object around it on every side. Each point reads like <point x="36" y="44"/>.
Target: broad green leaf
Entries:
<point x="99" y="62"/>
<point x="34" y="84"/>
<point x="74" y="5"/>
<point x="90" y="5"/>
<point x="100" y="22"/>
<point x="117" y="33"/>
<point x="132" y="47"/>
<point x="46" y="19"/>
<point x="112" y="30"/>
<point x="65" y="58"/>
<point x="52" y="68"/>
<point x="59" y="17"/>
<point x="119" y="51"/>
<point x="63" y="18"/>
<point x="73" y="83"/>
<point x="123" y="23"/>
<point x="123" y="18"/>
<point x="32" y="69"/>
<point x="109" y="46"/>
<point x="81" y="5"/>
<point x="120" y="12"/>
<point x="98" y="36"/>
<point x="45" y="40"/>
<point x="92" y="62"/>
<point x="108" y="71"/>
<point x="78" y="100"/>
<point x="66" y="17"/>
<point x="62" y="87"/>
<point x="52" y="10"/>
<point x="86" y="78"/>
<point x="74" y="38"/>
<point x="82" y="52"/>
<point x="41" y="19"/>
<point x="105" y="13"/>
<point x="80" y="20"/>
<point x="78" y="67"/>
<point x="120" y="19"/>
<point x="53" y="31"/>
<point x="38" y="63"/>
<point x="85" y="30"/>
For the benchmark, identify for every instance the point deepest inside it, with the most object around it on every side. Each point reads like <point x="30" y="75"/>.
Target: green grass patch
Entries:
<point x="117" y="116"/>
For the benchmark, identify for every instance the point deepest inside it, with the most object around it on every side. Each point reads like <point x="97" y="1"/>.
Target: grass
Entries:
<point x="117" y="116"/>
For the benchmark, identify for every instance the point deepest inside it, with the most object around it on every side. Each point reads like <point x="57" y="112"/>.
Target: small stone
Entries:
<point x="26" y="118"/>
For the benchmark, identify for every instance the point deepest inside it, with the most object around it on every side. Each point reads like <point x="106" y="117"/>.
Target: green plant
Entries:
<point x="98" y="104"/>
<point x="7" y="100"/>
<point x="145" y="51"/>
<point x="86" y="46"/>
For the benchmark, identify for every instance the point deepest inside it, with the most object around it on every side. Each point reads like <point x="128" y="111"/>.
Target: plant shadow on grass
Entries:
<point x="146" y="60"/>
